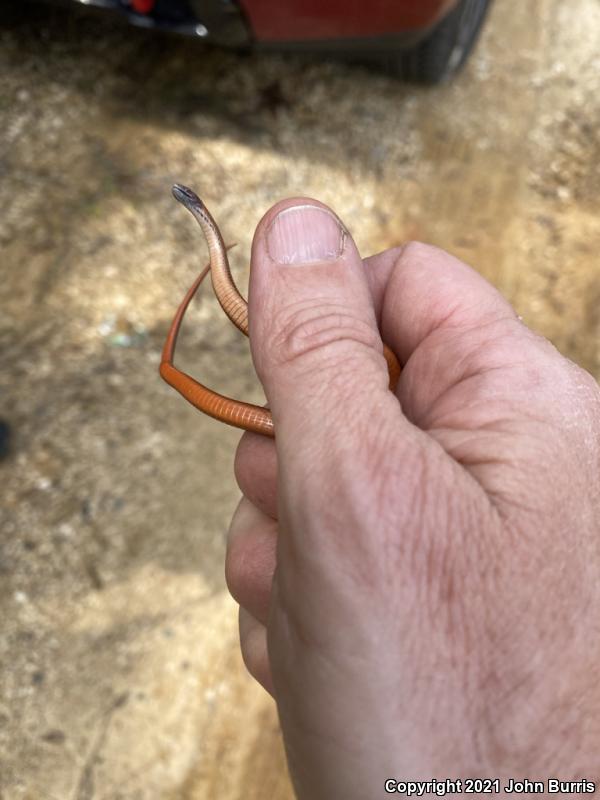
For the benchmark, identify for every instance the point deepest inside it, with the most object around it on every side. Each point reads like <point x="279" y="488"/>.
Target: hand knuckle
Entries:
<point x="306" y="329"/>
<point x="238" y="574"/>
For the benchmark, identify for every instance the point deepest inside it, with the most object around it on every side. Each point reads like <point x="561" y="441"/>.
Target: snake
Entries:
<point x="247" y="416"/>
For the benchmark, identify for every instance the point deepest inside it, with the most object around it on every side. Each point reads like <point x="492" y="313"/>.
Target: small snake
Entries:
<point x="233" y="412"/>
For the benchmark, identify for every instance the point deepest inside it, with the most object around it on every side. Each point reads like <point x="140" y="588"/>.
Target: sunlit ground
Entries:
<point x="120" y="672"/>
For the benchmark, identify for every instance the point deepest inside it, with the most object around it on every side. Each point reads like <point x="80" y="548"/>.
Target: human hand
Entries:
<point x="418" y="574"/>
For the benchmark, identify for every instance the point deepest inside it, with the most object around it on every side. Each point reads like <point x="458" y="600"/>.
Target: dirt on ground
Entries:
<point x="120" y="675"/>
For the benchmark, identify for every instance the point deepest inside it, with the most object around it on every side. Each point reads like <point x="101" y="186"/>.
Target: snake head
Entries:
<point x="187" y="198"/>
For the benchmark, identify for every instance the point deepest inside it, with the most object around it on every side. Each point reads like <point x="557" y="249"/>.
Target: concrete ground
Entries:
<point x="119" y="670"/>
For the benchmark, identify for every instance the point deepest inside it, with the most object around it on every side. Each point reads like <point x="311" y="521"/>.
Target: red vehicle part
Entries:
<point x="305" y="20"/>
<point x="143" y="6"/>
<point x="422" y="40"/>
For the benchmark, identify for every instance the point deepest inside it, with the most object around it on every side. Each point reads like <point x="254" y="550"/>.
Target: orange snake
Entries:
<point x="233" y="412"/>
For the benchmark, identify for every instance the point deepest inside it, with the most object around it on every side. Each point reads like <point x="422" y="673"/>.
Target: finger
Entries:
<point x="455" y="334"/>
<point x="255" y="470"/>
<point x="418" y="288"/>
<point x="250" y="559"/>
<point x="313" y="329"/>
<point x="475" y="378"/>
<point x="378" y="269"/>
<point x="253" y="643"/>
<point x="429" y="290"/>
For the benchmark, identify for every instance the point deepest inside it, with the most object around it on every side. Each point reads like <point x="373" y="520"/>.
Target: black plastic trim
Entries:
<point x="224" y="21"/>
<point x="350" y="46"/>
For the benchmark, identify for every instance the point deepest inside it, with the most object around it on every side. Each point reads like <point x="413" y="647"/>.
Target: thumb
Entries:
<point x="313" y="331"/>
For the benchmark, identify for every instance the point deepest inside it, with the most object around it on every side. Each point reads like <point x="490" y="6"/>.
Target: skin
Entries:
<point x="417" y="572"/>
<point x="233" y="412"/>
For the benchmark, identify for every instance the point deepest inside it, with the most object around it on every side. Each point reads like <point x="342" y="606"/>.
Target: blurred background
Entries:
<point x="120" y="675"/>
